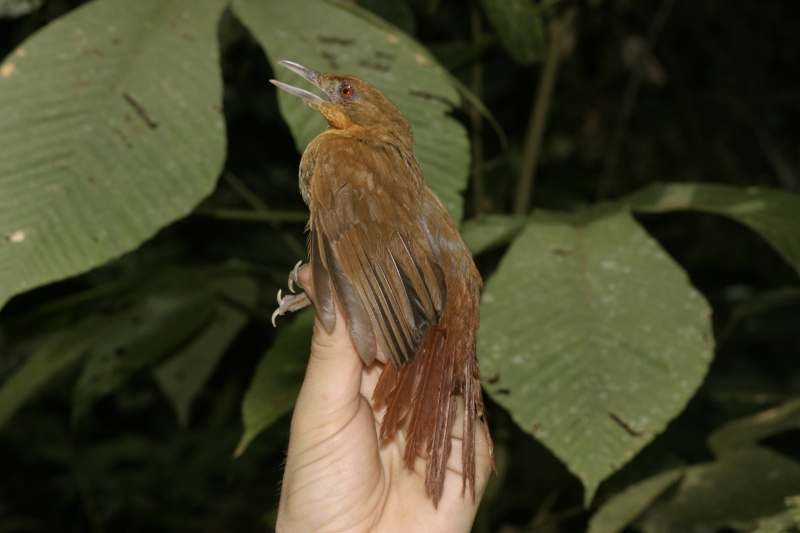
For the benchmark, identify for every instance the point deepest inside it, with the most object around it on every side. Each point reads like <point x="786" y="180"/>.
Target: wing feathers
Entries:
<point x="382" y="262"/>
<point x="400" y="324"/>
<point x="322" y="285"/>
<point x="358" y="319"/>
<point x="388" y="324"/>
<point x="425" y="275"/>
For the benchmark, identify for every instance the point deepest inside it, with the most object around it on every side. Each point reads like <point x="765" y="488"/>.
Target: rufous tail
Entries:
<point x="421" y="397"/>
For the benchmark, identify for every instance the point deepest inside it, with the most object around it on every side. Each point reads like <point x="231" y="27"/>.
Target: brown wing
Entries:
<point x="378" y="256"/>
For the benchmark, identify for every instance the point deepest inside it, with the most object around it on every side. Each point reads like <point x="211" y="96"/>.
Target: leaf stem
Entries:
<point x="255" y="202"/>
<point x="245" y="215"/>
<point x="629" y="102"/>
<point x="538" y="119"/>
<point x="476" y="121"/>
<point x="244" y="191"/>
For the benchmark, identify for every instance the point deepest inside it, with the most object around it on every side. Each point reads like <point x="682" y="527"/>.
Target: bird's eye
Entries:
<point x="346" y="92"/>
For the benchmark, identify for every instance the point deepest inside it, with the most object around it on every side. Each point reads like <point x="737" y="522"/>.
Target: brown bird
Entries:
<point x="382" y="245"/>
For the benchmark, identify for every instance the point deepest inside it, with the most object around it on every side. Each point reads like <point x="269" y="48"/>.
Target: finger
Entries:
<point x="333" y="377"/>
<point x="306" y="282"/>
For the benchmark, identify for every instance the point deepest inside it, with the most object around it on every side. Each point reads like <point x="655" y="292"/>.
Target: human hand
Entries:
<point x="338" y="476"/>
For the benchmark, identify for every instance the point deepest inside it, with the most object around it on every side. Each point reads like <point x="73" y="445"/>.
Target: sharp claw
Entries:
<point x="289" y="304"/>
<point x="294" y="277"/>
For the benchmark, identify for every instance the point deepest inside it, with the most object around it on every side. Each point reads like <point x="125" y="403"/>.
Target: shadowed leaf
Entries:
<point x="773" y="214"/>
<point x="746" y="432"/>
<point x="518" y="24"/>
<point x="491" y="231"/>
<point x="17" y="8"/>
<point x="785" y="522"/>
<point x="277" y="380"/>
<point x="65" y="350"/>
<point x="623" y="508"/>
<point x="741" y="486"/>
<point x="182" y="377"/>
<point x="165" y="313"/>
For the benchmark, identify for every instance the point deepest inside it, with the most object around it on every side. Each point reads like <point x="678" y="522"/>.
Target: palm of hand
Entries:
<point x="338" y="477"/>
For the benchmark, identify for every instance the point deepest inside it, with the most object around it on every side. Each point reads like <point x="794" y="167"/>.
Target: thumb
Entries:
<point x="333" y="378"/>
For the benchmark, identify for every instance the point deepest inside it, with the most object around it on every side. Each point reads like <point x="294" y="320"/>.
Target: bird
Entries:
<point x="384" y="247"/>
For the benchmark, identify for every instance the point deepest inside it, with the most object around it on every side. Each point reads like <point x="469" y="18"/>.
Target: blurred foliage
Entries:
<point x="124" y="390"/>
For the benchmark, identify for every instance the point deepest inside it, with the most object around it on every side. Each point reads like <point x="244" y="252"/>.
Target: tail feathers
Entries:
<point x="421" y="398"/>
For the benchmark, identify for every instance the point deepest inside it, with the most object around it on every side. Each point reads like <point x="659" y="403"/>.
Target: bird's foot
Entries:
<point x="291" y="302"/>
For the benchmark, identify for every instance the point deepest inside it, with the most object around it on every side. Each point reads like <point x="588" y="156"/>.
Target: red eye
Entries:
<point x="346" y="92"/>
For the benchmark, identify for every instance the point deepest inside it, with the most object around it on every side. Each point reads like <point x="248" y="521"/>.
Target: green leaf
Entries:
<point x="773" y="214"/>
<point x="183" y="375"/>
<point x="741" y="486"/>
<point x="491" y="231"/>
<point x="17" y="8"/>
<point x="339" y="37"/>
<point x="518" y="24"/>
<point x="785" y="522"/>
<point x="277" y="380"/>
<point x="65" y="350"/>
<point x="624" y="507"/>
<point x="592" y="337"/>
<point x="111" y="129"/>
<point x="166" y="313"/>
<point x="746" y="432"/>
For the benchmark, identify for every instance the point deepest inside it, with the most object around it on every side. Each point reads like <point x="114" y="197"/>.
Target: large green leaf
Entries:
<point x="111" y="128"/>
<point x="773" y="214"/>
<point x="592" y="338"/>
<point x="518" y="24"/>
<point x="339" y="37"/>
<point x="277" y="380"/>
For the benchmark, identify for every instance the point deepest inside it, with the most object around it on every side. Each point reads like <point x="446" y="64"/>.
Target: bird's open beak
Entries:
<point x="307" y="73"/>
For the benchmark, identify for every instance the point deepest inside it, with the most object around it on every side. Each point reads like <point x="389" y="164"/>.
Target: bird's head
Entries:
<point x="350" y="103"/>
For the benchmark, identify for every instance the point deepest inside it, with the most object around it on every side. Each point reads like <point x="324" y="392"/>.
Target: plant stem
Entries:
<point x="538" y="121"/>
<point x="245" y="215"/>
<point x="629" y="102"/>
<point x="244" y="191"/>
<point x="476" y="121"/>
<point x="255" y="202"/>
